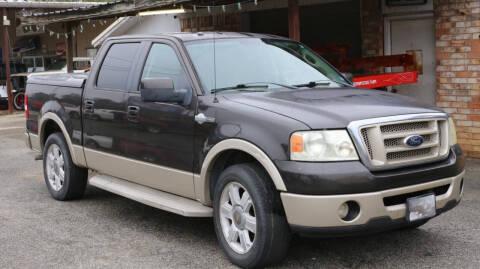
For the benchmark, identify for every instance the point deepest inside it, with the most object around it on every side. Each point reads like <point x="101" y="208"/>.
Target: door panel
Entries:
<point x="105" y="104"/>
<point x="416" y="34"/>
<point x="162" y="133"/>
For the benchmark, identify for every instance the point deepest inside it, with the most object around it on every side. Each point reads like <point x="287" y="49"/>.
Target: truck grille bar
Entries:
<point x="381" y="142"/>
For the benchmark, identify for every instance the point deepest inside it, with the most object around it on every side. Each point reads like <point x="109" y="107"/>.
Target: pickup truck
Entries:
<point x="256" y="131"/>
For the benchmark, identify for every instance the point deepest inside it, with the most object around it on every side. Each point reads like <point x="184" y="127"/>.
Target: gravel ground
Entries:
<point x="108" y="231"/>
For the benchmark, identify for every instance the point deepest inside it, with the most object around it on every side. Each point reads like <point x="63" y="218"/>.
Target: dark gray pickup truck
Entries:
<point x="257" y="131"/>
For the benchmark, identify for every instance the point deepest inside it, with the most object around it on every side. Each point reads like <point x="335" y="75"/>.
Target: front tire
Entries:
<point x="248" y="217"/>
<point x="65" y="180"/>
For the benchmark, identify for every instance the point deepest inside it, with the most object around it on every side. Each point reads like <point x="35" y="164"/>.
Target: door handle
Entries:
<point x="133" y="113"/>
<point x="201" y="119"/>
<point x="89" y="106"/>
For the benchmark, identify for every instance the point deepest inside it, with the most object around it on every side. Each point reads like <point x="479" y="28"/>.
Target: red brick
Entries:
<point x="473" y="55"/>
<point x="464" y="74"/>
<point x="474" y="117"/>
<point x="474" y="105"/>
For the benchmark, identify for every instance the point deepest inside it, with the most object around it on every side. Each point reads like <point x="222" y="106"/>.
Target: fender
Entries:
<point x="76" y="151"/>
<point x="202" y="181"/>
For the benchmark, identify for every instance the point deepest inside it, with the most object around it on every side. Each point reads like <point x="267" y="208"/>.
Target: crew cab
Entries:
<point x="256" y="131"/>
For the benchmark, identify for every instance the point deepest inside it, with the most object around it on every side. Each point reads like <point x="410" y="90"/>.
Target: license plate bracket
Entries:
<point x="421" y="207"/>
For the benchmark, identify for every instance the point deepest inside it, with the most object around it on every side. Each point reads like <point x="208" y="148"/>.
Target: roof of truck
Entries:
<point x="190" y="36"/>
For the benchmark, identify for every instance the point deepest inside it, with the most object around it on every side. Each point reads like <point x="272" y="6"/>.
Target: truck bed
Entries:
<point x="71" y="80"/>
<point x="60" y="94"/>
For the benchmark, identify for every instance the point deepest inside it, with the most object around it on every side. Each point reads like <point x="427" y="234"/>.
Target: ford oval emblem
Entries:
<point x="413" y="141"/>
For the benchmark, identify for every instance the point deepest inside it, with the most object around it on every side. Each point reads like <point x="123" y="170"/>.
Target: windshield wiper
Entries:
<point x="313" y="84"/>
<point x="252" y="85"/>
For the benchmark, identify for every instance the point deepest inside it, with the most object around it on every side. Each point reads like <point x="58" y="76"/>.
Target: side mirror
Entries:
<point x="348" y="76"/>
<point x="161" y="90"/>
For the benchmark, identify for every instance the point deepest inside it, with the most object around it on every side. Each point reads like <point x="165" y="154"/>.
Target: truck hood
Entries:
<point x="332" y="108"/>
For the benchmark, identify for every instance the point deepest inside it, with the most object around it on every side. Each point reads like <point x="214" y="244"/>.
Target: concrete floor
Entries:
<point x="108" y="231"/>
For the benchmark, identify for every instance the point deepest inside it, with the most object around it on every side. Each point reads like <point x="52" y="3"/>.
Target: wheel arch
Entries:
<point x="203" y="181"/>
<point x="46" y="122"/>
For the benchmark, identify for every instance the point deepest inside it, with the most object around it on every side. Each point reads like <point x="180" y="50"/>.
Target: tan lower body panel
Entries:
<point x="151" y="197"/>
<point x="147" y="174"/>
<point x="322" y="210"/>
<point x="79" y="156"/>
<point x="33" y="141"/>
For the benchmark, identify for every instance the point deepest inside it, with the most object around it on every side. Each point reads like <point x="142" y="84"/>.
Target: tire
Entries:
<point x="74" y="178"/>
<point x="19" y="101"/>
<point x="270" y="242"/>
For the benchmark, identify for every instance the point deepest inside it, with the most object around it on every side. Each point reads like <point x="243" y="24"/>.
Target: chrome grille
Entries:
<point x="367" y="143"/>
<point x="401" y="127"/>
<point x="399" y="155"/>
<point x="395" y="142"/>
<point x="384" y="145"/>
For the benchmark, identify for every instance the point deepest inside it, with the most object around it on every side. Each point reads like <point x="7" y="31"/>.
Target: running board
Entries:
<point x="158" y="199"/>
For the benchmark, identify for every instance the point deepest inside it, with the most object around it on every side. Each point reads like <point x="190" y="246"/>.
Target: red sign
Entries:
<point x="383" y="80"/>
<point x="60" y="49"/>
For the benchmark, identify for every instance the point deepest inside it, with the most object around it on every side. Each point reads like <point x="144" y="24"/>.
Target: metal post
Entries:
<point x="6" y="59"/>
<point x="293" y="20"/>
<point x="69" y="47"/>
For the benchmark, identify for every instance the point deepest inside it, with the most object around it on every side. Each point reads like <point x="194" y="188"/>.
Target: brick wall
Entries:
<point x="458" y="68"/>
<point x="372" y="28"/>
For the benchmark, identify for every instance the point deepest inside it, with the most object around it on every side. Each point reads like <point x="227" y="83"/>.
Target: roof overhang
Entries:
<point x="53" y="5"/>
<point x="103" y="10"/>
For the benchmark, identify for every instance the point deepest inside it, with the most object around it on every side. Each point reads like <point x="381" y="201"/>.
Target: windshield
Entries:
<point x="244" y="61"/>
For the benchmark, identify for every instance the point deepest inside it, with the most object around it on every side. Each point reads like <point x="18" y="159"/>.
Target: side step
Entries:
<point x="158" y="199"/>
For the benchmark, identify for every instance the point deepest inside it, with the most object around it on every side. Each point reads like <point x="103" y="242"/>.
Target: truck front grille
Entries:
<point x="384" y="142"/>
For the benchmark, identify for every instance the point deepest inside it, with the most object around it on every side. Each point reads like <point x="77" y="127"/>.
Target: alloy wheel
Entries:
<point x="237" y="217"/>
<point x="55" y="167"/>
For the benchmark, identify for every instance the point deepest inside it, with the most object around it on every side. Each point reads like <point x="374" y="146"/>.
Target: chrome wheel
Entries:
<point x="237" y="217"/>
<point x="55" y="167"/>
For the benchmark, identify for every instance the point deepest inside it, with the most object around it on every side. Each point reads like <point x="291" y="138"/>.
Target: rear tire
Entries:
<point x="19" y="101"/>
<point x="249" y="218"/>
<point x="65" y="180"/>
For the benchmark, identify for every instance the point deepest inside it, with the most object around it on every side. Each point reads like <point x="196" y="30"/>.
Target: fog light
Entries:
<point x="343" y="210"/>
<point x="349" y="210"/>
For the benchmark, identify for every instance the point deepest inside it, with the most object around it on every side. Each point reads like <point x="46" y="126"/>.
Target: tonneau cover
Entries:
<point x="71" y="80"/>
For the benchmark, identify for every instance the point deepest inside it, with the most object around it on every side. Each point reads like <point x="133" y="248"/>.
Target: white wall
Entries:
<point x="139" y="25"/>
<point x="155" y="24"/>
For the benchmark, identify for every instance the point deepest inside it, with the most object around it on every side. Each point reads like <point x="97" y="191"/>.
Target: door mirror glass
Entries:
<point x="161" y="90"/>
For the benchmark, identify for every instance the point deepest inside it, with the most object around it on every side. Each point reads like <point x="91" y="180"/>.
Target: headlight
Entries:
<point x="452" y="132"/>
<point x="322" y="146"/>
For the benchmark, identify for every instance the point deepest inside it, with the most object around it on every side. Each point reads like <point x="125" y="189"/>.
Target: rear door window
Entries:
<point x="117" y="65"/>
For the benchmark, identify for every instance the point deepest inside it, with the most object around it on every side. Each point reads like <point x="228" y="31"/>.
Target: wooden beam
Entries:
<point x="6" y="60"/>
<point x="69" y="47"/>
<point x="293" y="20"/>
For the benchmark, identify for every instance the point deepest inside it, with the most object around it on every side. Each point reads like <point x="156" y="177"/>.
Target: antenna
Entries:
<point x="215" y="100"/>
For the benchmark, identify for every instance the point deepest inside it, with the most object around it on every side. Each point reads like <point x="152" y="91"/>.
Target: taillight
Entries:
<point x="27" y="112"/>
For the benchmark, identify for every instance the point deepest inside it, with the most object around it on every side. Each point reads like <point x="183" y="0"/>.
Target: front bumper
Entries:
<point x="379" y="211"/>
<point x="331" y="178"/>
